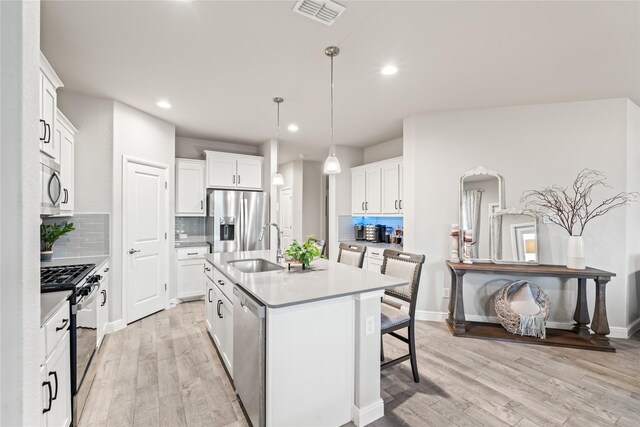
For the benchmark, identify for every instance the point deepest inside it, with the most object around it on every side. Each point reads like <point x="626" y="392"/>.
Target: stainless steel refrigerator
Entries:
<point x="235" y="218"/>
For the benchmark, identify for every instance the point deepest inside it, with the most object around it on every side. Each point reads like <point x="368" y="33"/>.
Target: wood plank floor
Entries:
<point x="164" y="371"/>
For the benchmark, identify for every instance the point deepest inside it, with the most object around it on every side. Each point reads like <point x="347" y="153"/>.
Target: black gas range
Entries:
<point x="84" y="284"/>
<point x="63" y="278"/>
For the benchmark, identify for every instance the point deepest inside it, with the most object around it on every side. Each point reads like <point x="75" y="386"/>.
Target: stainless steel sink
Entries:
<point x="256" y="265"/>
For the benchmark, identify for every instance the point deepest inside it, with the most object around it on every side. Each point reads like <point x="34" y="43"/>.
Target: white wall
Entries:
<point x="383" y="151"/>
<point x="192" y="148"/>
<point x="633" y="225"/>
<point x="340" y="193"/>
<point x="20" y="340"/>
<point x="137" y="134"/>
<point x="93" y="147"/>
<point x="312" y="199"/>
<point x="531" y="146"/>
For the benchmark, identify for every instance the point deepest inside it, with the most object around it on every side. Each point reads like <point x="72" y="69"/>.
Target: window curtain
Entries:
<point x="471" y="216"/>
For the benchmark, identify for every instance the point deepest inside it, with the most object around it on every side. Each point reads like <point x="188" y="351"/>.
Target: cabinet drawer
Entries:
<point x="191" y="253"/>
<point x="56" y="327"/>
<point x="375" y="253"/>
<point x="223" y="283"/>
<point x="208" y="270"/>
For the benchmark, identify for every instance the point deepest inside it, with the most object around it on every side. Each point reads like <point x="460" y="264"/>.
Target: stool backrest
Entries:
<point x="352" y="254"/>
<point x="407" y="266"/>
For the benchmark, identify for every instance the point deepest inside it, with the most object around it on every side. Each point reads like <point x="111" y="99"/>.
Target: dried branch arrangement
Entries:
<point x="573" y="208"/>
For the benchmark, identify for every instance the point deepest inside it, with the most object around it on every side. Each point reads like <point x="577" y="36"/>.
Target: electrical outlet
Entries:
<point x="371" y="325"/>
<point x="446" y="292"/>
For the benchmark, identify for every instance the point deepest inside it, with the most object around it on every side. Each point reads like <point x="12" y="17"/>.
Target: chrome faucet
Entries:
<point x="279" y="256"/>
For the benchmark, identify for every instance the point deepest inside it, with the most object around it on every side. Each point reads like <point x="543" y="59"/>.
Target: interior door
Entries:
<point x="286" y="216"/>
<point x="145" y="224"/>
<point x="390" y="188"/>
<point x="358" y="192"/>
<point x="373" y="204"/>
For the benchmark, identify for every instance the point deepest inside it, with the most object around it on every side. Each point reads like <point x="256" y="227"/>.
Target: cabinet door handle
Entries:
<point x="234" y="178"/>
<point x="220" y="282"/>
<point x="400" y="204"/>
<point x="64" y="323"/>
<point x="238" y="179"/>
<point x="207" y="269"/>
<point x="192" y="253"/>
<point x="104" y="298"/>
<point x="366" y="206"/>
<point x="362" y="205"/>
<point x="47" y="133"/>
<point x="209" y="295"/>
<point x="55" y="377"/>
<point x="201" y="204"/>
<point x="44" y="130"/>
<point x="218" y="309"/>
<point x="396" y="204"/>
<point x="48" y="408"/>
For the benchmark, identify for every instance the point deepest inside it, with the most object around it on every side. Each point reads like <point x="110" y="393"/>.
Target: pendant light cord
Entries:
<point x="331" y="149"/>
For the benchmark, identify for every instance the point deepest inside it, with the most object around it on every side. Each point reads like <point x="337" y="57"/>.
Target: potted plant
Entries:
<point x="49" y="233"/>
<point x="302" y="253"/>
<point x="573" y="208"/>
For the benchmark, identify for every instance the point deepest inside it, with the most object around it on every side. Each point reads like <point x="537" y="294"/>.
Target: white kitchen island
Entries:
<point x="322" y="334"/>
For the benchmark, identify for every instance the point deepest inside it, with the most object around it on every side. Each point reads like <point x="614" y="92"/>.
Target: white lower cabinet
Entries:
<point x="189" y="266"/>
<point x="55" y="373"/>
<point x="103" y="304"/>
<point x="219" y="315"/>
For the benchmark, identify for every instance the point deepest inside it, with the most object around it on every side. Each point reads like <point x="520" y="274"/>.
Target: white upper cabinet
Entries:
<point x="233" y="171"/>
<point x="249" y="171"/>
<point x="64" y="138"/>
<point x="376" y="189"/>
<point x="373" y="203"/>
<point x="49" y="82"/>
<point x="191" y="189"/>
<point x="358" y="191"/>
<point x="391" y="183"/>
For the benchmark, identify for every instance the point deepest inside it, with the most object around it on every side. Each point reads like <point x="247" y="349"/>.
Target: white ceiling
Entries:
<point x="221" y="63"/>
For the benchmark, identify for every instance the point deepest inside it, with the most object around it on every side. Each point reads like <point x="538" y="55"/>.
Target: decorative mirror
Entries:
<point x="514" y="237"/>
<point x="481" y="194"/>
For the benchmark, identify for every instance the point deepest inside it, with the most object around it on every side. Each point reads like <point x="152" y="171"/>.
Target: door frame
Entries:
<point x="126" y="160"/>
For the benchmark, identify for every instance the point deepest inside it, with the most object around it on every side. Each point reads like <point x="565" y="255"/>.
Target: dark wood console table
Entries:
<point x="579" y="337"/>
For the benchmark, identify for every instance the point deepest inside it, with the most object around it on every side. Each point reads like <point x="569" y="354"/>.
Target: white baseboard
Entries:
<point x="173" y="302"/>
<point x="115" y="326"/>
<point x="438" y="316"/>
<point x="368" y="414"/>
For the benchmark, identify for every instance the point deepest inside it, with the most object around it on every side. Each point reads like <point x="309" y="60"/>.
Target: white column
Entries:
<point x="368" y="405"/>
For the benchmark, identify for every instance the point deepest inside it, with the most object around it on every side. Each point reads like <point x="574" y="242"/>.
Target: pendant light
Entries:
<point x="331" y="165"/>
<point x="277" y="178"/>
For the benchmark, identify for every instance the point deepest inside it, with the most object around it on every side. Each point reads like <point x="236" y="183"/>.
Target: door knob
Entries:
<point x="133" y="251"/>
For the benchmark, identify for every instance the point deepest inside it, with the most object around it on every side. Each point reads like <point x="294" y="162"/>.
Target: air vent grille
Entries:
<point x="325" y="12"/>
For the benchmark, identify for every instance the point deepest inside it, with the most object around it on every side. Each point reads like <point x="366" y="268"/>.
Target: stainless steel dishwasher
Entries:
<point x="249" y="350"/>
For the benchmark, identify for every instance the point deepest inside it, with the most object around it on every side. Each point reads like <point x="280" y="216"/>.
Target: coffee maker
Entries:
<point x="359" y="232"/>
<point x="380" y="233"/>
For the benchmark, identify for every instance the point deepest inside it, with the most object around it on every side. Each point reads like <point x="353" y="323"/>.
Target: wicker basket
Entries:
<point x="512" y="321"/>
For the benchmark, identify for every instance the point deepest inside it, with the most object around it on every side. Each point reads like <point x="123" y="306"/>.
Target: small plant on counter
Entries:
<point x="303" y="253"/>
<point x="50" y="233"/>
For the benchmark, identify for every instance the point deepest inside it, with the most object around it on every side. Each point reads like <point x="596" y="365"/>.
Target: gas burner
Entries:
<point x="62" y="278"/>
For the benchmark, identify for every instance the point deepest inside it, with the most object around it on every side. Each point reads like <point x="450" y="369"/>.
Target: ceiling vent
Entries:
<point x="325" y="12"/>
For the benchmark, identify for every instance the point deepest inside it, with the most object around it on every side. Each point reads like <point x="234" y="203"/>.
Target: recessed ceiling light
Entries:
<point x="163" y="103"/>
<point x="389" y="70"/>
<point x="293" y="127"/>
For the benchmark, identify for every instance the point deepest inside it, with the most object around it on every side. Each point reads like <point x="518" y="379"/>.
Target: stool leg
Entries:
<point x="381" y="348"/>
<point x="412" y="352"/>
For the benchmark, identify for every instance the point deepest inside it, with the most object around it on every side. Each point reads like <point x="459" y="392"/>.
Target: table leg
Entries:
<point x="452" y="294"/>
<point x="581" y="315"/>
<point x="600" y="323"/>
<point x="459" y="320"/>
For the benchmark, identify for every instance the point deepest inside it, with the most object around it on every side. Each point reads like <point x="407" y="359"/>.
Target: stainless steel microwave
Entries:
<point x="51" y="187"/>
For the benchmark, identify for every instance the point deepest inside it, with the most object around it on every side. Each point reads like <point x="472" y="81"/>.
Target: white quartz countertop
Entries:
<point x="50" y="303"/>
<point x="325" y="279"/>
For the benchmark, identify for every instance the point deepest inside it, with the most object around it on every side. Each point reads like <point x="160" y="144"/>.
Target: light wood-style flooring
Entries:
<point x="164" y="371"/>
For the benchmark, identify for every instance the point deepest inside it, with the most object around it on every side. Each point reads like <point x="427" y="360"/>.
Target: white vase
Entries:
<point x="575" y="253"/>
